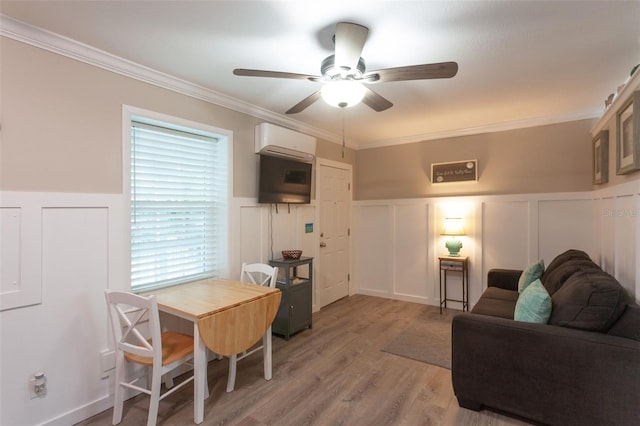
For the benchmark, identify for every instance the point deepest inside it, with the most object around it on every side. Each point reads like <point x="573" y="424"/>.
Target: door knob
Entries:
<point x="323" y="244"/>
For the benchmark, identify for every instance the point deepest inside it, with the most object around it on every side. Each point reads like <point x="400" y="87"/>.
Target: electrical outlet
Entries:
<point x="107" y="362"/>
<point x="38" y="385"/>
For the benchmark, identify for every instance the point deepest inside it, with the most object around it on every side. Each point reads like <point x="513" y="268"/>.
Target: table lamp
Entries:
<point x="453" y="227"/>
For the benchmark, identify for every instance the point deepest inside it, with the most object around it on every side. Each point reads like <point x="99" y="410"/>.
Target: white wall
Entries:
<point x="76" y="241"/>
<point x="252" y="227"/>
<point x="78" y="249"/>
<point x="397" y="242"/>
<point x="395" y="247"/>
<point x="262" y="232"/>
<point x="617" y="230"/>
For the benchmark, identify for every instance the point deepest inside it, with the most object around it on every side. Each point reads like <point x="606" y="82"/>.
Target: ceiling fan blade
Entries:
<point x="275" y="74"/>
<point x="375" y="101"/>
<point x="413" y="72"/>
<point x="300" y="106"/>
<point x="349" y="41"/>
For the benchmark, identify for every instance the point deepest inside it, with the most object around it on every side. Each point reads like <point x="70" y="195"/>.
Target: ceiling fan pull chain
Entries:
<point x="343" y="108"/>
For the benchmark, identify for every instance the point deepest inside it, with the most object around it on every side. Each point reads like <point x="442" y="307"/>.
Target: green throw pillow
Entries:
<point x="534" y="304"/>
<point x="529" y="275"/>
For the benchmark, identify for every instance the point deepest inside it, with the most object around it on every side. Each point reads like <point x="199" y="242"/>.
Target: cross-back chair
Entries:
<point x="138" y="338"/>
<point x="264" y="275"/>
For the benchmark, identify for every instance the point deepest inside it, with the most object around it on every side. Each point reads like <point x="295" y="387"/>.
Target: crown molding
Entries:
<point x="489" y="128"/>
<point x="620" y="97"/>
<point x="73" y="49"/>
<point x="56" y="43"/>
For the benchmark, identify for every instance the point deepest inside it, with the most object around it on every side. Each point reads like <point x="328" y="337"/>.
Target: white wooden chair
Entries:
<point x="264" y="275"/>
<point x="138" y="338"/>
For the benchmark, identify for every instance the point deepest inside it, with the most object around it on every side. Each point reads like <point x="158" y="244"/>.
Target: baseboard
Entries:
<point x="397" y="296"/>
<point x="104" y="403"/>
<point x="81" y="413"/>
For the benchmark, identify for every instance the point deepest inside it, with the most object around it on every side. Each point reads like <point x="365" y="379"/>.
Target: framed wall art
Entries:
<point x="601" y="158"/>
<point x="457" y="171"/>
<point x="628" y="136"/>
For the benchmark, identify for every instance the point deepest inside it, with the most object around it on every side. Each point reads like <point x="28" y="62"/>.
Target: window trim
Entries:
<point x="130" y="113"/>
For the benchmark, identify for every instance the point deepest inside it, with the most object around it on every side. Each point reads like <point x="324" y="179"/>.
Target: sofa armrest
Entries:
<point x="554" y="375"/>
<point x="503" y="278"/>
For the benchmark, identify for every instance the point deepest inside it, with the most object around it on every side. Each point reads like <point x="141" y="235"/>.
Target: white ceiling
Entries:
<point x="520" y="62"/>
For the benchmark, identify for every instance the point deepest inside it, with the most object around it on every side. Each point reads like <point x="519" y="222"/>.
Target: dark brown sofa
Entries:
<point x="582" y="368"/>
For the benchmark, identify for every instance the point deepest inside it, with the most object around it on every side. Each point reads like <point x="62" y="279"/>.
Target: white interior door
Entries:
<point x="334" y="199"/>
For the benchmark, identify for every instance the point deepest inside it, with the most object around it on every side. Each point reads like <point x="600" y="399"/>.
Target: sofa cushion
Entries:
<point x="554" y="279"/>
<point x="628" y="325"/>
<point x="589" y="300"/>
<point x="503" y="278"/>
<point x="496" y="302"/>
<point x="530" y="274"/>
<point x="534" y="304"/>
<point x="571" y="254"/>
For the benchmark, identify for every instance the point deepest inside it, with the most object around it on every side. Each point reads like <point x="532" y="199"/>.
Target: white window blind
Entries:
<point x="178" y="206"/>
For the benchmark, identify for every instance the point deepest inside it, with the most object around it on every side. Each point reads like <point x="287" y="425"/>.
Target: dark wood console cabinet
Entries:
<point x="295" y="278"/>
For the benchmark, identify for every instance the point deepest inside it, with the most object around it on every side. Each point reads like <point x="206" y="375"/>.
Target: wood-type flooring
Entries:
<point x="332" y="374"/>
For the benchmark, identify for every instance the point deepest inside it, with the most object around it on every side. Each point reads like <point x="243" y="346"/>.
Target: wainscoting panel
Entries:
<point x="607" y="220"/>
<point x="617" y="221"/>
<point x="373" y="250"/>
<point x="562" y="225"/>
<point x="254" y="246"/>
<point x="307" y="241"/>
<point x="626" y="217"/>
<point x="261" y="232"/>
<point x="596" y="210"/>
<point x="74" y="242"/>
<point x="265" y="232"/>
<point x="283" y="223"/>
<point x="13" y="291"/>
<point x="505" y="234"/>
<point x="75" y="246"/>
<point x="411" y="253"/>
<point x="75" y="265"/>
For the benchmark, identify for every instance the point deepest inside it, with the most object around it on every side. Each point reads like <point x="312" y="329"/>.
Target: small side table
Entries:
<point x="454" y="264"/>
<point x="294" y="313"/>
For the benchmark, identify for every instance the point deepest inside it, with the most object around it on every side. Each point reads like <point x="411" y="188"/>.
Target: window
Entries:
<point x="179" y="203"/>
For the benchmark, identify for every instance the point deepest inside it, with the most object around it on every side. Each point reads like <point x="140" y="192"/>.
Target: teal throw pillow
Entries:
<point x="529" y="275"/>
<point x="534" y="304"/>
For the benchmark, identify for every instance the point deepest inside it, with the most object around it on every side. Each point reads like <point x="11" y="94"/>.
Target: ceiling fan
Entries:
<point x="344" y="73"/>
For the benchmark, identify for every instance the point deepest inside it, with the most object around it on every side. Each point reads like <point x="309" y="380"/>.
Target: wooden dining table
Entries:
<point x="228" y="317"/>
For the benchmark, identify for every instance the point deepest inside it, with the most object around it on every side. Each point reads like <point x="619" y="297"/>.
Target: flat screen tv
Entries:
<point x="284" y="181"/>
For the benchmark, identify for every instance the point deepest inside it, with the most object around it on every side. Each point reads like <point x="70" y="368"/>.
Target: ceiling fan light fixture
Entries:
<point x="344" y="72"/>
<point x="343" y="93"/>
<point x="330" y="70"/>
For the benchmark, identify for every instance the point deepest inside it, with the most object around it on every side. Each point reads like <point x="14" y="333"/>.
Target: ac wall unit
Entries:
<point x="281" y="142"/>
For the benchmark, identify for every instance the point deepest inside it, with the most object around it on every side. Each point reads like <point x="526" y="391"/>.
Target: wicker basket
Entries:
<point x="291" y="254"/>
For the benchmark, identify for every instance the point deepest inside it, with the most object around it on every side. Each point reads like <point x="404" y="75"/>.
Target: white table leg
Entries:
<point x="200" y="373"/>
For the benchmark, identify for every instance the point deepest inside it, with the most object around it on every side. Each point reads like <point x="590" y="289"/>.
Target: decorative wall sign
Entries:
<point x="628" y="136"/>
<point x="458" y="171"/>
<point x="601" y="158"/>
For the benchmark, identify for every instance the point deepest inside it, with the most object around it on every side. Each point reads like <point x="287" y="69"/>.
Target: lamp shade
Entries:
<point x="453" y="226"/>
<point x="343" y="93"/>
